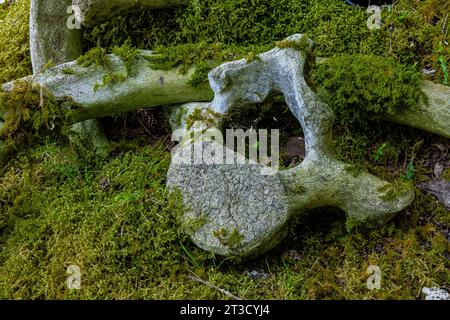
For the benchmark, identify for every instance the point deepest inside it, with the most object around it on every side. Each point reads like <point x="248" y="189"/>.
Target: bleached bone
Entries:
<point x="92" y="12"/>
<point x="239" y="211"/>
<point x="55" y="38"/>
<point x="51" y="40"/>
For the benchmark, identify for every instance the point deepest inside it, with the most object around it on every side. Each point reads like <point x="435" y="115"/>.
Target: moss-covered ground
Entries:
<point x="115" y="219"/>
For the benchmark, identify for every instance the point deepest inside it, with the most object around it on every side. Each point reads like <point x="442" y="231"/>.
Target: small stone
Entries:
<point x="435" y="293"/>
<point x="438" y="188"/>
<point x="438" y="169"/>
<point x="428" y="72"/>
<point x="258" y="275"/>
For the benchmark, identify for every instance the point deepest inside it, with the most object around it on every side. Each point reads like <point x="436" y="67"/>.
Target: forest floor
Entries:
<point x="116" y="220"/>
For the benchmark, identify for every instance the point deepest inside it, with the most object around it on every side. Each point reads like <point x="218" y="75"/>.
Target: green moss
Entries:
<point x="251" y="57"/>
<point x="357" y="85"/>
<point x="29" y="113"/>
<point x="191" y="225"/>
<point x="299" y="188"/>
<point x="355" y="169"/>
<point x="207" y="117"/>
<point x="446" y="174"/>
<point x="335" y="26"/>
<point x="68" y="71"/>
<point x="201" y="56"/>
<point x="188" y="55"/>
<point x="56" y="211"/>
<point x="15" y="61"/>
<point x="243" y="22"/>
<point x="234" y="239"/>
<point x="303" y="45"/>
<point x="127" y="53"/>
<point x="110" y="78"/>
<point x="200" y="74"/>
<point x="96" y="56"/>
<point x="48" y="65"/>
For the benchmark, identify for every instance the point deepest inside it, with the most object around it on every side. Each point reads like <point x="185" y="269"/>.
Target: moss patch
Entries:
<point x="412" y="32"/>
<point x="128" y="54"/>
<point x="360" y="85"/>
<point x="207" y="117"/>
<point x="446" y="174"/>
<point x="116" y="220"/>
<point x="230" y="239"/>
<point x="29" y="113"/>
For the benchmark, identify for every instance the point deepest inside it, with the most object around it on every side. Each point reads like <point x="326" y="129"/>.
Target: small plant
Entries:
<point x="380" y="151"/>
<point x="200" y="74"/>
<point x="443" y="65"/>
<point x="300" y="45"/>
<point x="110" y="78"/>
<point x="207" y="117"/>
<point x="251" y="57"/>
<point x="410" y="172"/>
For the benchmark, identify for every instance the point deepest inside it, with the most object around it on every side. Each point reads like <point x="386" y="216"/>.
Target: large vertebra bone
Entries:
<point x="240" y="211"/>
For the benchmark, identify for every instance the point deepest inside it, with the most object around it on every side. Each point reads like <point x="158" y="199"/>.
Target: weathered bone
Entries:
<point x="237" y="210"/>
<point x="91" y="12"/>
<point x="52" y="41"/>
<point x="143" y="88"/>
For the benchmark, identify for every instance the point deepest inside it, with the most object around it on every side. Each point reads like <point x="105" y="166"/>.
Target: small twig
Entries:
<point x="444" y="25"/>
<point x="225" y="292"/>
